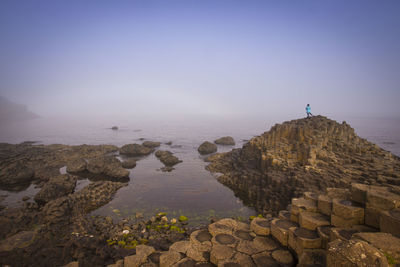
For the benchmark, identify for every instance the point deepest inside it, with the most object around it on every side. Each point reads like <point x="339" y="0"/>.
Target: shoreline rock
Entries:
<point x="135" y="150"/>
<point x="226" y="140"/>
<point x="302" y="155"/>
<point x="207" y="148"/>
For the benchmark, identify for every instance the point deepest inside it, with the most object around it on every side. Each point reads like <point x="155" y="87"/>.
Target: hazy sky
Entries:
<point x="251" y="58"/>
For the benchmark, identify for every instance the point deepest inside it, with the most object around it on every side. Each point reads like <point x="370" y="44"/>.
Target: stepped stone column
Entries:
<point x="390" y="222"/>
<point x="378" y="200"/>
<point x="280" y="230"/>
<point x="260" y="226"/>
<point x="325" y="204"/>
<point x="312" y="220"/>
<point x="300" y="205"/>
<point x="346" y="213"/>
<point x="301" y="238"/>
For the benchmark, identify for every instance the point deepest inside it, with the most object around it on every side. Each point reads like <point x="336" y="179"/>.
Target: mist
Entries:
<point x="188" y="59"/>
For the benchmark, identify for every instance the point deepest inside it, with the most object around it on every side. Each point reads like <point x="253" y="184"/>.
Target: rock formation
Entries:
<point x="168" y="159"/>
<point x="328" y="229"/>
<point x="302" y="155"/>
<point x="151" y="144"/>
<point x="135" y="150"/>
<point x="207" y="148"/>
<point x="226" y="140"/>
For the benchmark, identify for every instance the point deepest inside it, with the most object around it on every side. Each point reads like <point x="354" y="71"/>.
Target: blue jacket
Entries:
<point x="308" y="109"/>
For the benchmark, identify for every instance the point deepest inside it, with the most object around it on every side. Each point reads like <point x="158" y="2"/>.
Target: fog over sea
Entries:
<point x="189" y="189"/>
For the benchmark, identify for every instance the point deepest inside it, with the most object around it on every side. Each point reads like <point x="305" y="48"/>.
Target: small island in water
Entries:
<point x="322" y="196"/>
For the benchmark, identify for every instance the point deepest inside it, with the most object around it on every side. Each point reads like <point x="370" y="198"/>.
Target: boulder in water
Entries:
<point x="151" y="144"/>
<point x="207" y="148"/>
<point x="135" y="150"/>
<point x="14" y="174"/>
<point x="167" y="158"/>
<point x="129" y="164"/>
<point x="76" y="166"/>
<point x="108" y="166"/>
<point x="226" y="140"/>
<point x="56" y="187"/>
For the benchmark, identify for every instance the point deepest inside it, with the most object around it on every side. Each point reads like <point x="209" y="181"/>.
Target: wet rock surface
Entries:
<point x="108" y="166"/>
<point x="302" y="155"/>
<point x="151" y="144"/>
<point x="226" y="140"/>
<point x="129" y="164"/>
<point x="207" y="148"/>
<point x="56" y="187"/>
<point x="167" y="158"/>
<point x="135" y="150"/>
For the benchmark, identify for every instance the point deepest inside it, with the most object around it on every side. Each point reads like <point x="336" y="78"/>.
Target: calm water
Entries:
<point x="189" y="189"/>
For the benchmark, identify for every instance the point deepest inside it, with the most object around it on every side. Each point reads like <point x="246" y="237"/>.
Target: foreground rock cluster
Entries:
<point x="54" y="228"/>
<point x="302" y="155"/>
<point x="330" y="229"/>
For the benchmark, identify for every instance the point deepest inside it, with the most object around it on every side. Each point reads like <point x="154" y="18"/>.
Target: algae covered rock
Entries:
<point x="135" y="150"/>
<point x="207" y="148"/>
<point x="14" y="174"/>
<point x="56" y="187"/>
<point x="226" y="140"/>
<point x="76" y="166"/>
<point x="167" y="158"/>
<point x="129" y="164"/>
<point x="151" y="144"/>
<point x="108" y="166"/>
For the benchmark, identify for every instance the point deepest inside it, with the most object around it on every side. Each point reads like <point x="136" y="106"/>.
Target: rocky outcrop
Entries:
<point x="77" y="166"/>
<point x="129" y="164"/>
<point x="56" y="187"/>
<point x="167" y="158"/>
<point x="302" y="155"/>
<point x="24" y="163"/>
<point x="226" y="140"/>
<point x="15" y="174"/>
<point x="108" y="166"/>
<point x="135" y="150"/>
<point x="60" y="227"/>
<point x="151" y="144"/>
<point x="207" y="148"/>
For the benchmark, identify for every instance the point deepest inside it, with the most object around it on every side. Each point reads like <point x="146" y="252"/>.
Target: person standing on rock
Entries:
<point x="308" y="110"/>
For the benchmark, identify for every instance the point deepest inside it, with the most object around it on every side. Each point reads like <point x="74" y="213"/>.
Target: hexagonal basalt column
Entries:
<point x="244" y="235"/>
<point x="224" y="239"/>
<point x="223" y="226"/>
<point x="359" y="192"/>
<point x="340" y="193"/>
<point x="238" y="259"/>
<point x="284" y="215"/>
<point x="261" y="226"/>
<point x="220" y="253"/>
<point x="381" y="199"/>
<point x="341" y="233"/>
<point x="301" y="204"/>
<point x="324" y="232"/>
<point x="390" y="222"/>
<point x="372" y="216"/>
<point x="280" y="230"/>
<point x="325" y="204"/>
<point x="348" y="210"/>
<point x="311" y="220"/>
<point x="311" y="196"/>
<point x="301" y="238"/>
<point x="201" y="240"/>
<point x="283" y="257"/>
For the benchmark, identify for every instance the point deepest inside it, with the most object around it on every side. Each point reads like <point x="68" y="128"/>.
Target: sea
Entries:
<point x="189" y="190"/>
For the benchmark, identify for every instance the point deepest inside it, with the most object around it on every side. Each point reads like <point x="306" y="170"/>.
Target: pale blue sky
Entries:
<point x="249" y="58"/>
